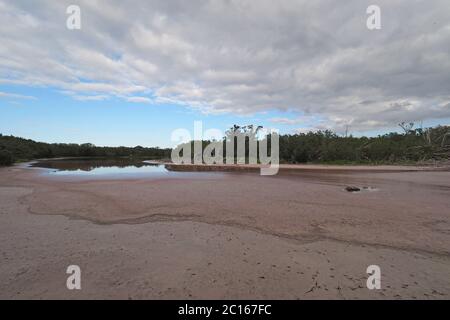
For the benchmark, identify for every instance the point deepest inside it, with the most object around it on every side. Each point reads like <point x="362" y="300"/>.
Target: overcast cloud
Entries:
<point x="314" y="57"/>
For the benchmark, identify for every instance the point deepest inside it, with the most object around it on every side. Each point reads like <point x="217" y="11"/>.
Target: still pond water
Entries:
<point x="117" y="168"/>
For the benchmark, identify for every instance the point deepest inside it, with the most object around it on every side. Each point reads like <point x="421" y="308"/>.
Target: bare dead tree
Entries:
<point x="346" y="130"/>
<point x="407" y="127"/>
<point x="427" y="136"/>
<point x="444" y="137"/>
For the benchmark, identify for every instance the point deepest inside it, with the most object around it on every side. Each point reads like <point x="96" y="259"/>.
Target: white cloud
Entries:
<point x="286" y="121"/>
<point x="90" y="98"/>
<point x="312" y="57"/>
<point x="16" y="96"/>
<point x="139" y="99"/>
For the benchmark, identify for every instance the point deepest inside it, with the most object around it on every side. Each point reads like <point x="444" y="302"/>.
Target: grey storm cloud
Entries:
<point x="236" y="56"/>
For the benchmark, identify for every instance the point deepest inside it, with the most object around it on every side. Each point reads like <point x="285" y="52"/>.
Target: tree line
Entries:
<point x="14" y="149"/>
<point x="327" y="147"/>
<point x="413" y="145"/>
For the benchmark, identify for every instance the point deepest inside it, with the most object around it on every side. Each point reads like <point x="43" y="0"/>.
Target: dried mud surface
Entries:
<point x="297" y="235"/>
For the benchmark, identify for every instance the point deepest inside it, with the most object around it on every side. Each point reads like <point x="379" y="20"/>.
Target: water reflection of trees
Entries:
<point x="88" y="164"/>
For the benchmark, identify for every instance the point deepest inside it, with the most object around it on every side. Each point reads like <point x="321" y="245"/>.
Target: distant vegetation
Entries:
<point x="411" y="146"/>
<point x="6" y="158"/>
<point x="414" y="145"/>
<point x="13" y="149"/>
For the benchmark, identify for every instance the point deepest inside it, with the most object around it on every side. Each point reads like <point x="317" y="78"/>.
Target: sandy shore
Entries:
<point x="301" y="168"/>
<point x="292" y="236"/>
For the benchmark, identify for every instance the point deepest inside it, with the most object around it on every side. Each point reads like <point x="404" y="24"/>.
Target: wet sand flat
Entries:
<point x="240" y="235"/>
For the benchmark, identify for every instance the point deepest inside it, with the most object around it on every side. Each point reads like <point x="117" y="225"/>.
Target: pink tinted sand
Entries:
<point x="295" y="235"/>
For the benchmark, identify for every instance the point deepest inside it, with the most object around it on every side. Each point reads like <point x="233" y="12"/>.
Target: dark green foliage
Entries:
<point x="327" y="147"/>
<point x="5" y="158"/>
<point x="18" y="149"/>
<point x="318" y="147"/>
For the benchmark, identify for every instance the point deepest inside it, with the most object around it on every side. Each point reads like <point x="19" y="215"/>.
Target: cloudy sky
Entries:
<point x="136" y="70"/>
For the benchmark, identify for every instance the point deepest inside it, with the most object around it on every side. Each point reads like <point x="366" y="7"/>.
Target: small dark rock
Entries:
<point x="352" y="189"/>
